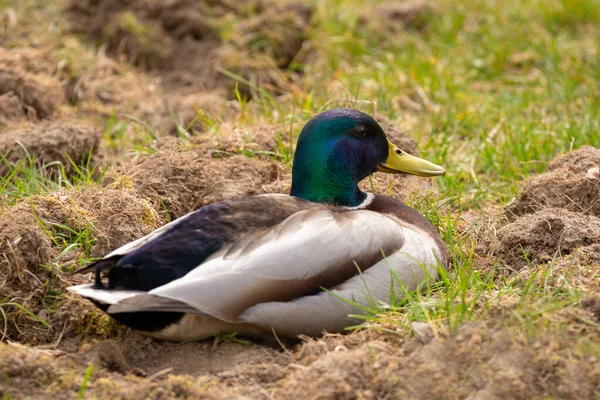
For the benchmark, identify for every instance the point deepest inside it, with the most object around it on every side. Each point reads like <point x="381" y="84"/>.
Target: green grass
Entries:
<point x="28" y="177"/>
<point x="86" y="377"/>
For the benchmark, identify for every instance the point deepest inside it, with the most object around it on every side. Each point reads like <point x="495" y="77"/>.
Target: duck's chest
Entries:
<point x="410" y="223"/>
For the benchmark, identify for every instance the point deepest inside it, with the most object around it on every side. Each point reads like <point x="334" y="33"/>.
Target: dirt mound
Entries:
<point x="545" y="235"/>
<point x="28" y="276"/>
<point x="554" y="218"/>
<point x="42" y="238"/>
<point x="49" y="142"/>
<point x="141" y="31"/>
<point x="187" y="41"/>
<point x="179" y="180"/>
<point x="11" y="107"/>
<point x="26" y="97"/>
<point x="570" y="183"/>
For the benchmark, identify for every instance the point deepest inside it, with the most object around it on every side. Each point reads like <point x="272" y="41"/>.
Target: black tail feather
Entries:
<point x="99" y="267"/>
<point x="148" y="321"/>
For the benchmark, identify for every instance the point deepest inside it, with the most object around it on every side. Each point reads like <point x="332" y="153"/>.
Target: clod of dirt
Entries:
<point x="34" y="236"/>
<point x="110" y="357"/>
<point x="579" y="160"/>
<point x="11" y="108"/>
<point x="591" y="303"/>
<point x="49" y="142"/>
<point x="143" y="43"/>
<point x="543" y="236"/>
<point x="423" y="331"/>
<point x="181" y="180"/>
<point x="398" y="15"/>
<point x="579" y="270"/>
<point x="36" y="99"/>
<point x="568" y="184"/>
<point x="116" y="217"/>
<point x="124" y="28"/>
<point x="311" y="349"/>
<point x="99" y="85"/>
<point x="173" y="38"/>
<point x="26" y="270"/>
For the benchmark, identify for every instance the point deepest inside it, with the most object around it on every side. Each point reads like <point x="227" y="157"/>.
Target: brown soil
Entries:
<point x="33" y="273"/>
<point x="28" y="271"/>
<point x="544" y="236"/>
<point x="552" y="224"/>
<point x="47" y="143"/>
<point x="478" y="361"/>
<point x="591" y="303"/>
<point x="566" y="185"/>
<point x="23" y="96"/>
<point x="178" y="179"/>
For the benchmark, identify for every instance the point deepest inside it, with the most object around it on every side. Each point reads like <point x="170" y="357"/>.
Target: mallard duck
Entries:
<point x="297" y="264"/>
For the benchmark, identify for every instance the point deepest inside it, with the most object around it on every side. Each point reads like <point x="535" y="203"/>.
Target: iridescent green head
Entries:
<point x="340" y="147"/>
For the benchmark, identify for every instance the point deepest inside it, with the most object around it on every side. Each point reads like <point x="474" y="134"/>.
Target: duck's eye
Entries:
<point x="360" y="131"/>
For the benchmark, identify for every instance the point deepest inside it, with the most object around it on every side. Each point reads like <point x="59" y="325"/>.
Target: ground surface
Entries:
<point x="118" y="116"/>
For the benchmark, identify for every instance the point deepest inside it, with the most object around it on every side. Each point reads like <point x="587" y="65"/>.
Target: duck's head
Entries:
<point x="340" y="147"/>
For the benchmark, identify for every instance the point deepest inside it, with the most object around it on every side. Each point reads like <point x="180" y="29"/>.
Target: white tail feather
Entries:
<point x="102" y="295"/>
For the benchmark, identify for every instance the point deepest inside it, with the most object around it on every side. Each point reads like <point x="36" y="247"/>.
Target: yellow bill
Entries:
<point x="400" y="162"/>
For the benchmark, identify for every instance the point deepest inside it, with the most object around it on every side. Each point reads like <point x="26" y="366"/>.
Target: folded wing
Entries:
<point x="310" y="250"/>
